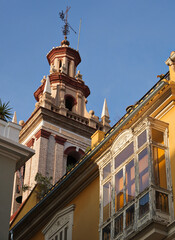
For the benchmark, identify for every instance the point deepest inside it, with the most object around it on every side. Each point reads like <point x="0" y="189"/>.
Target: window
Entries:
<point x="130" y="181"/>
<point x="162" y="201"/>
<point x="60" y="235"/>
<point x="134" y="181"/>
<point x="60" y="65"/>
<point x="106" y="201"/>
<point x="69" y="102"/>
<point x="60" y="227"/>
<point x="122" y="156"/>
<point x="130" y="216"/>
<point x="144" y="205"/>
<point x="72" y="158"/>
<point x="118" y="225"/>
<point x="106" y="170"/>
<point x="141" y="139"/>
<point x="143" y="170"/>
<point x="157" y="136"/>
<point x="159" y="167"/>
<point x="119" y="197"/>
<point x="106" y="235"/>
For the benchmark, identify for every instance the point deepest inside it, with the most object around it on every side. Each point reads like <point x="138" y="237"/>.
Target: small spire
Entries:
<point x="105" y="110"/>
<point x="47" y="88"/>
<point x="14" y="119"/>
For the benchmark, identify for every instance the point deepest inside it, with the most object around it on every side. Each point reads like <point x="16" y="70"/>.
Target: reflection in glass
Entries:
<point x="130" y="181"/>
<point x="123" y="155"/>
<point x="130" y="216"/>
<point x="159" y="167"/>
<point x="141" y="139"/>
<point x="119" y="199"/>
<point x="143" y="170"/>
<point x="118" y="228"/>
<point x="106" y="234"/>
<point x="144" y="205"/>
<point x="106" y="201"/>
<point x="106" y="170"/>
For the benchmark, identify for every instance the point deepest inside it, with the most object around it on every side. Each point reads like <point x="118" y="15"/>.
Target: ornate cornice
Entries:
<point x="66" y="51"/>
<point x="60" y="140"/>
<point x="67" y="80"/>
<point x="42" y="133"/>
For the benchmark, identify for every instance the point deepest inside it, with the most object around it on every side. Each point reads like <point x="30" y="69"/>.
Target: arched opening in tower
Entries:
<point x="72" y="158"/>
<point x="69" y="102"/>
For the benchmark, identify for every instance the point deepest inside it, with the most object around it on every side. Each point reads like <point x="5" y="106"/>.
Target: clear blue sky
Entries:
<point x="123" y="47"/>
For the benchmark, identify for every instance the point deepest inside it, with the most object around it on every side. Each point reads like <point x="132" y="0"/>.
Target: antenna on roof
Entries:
<point x="79" y="35"/>
<point x="66" y="26"/>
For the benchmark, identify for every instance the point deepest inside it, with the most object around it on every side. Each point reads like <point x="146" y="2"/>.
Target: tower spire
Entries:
<point x="105" y="110"/>
<point x="14" y="119"/>
<point x="47" y="88"/>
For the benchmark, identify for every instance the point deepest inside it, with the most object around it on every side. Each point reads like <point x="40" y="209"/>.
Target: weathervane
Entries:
<point x="66" y="27"/>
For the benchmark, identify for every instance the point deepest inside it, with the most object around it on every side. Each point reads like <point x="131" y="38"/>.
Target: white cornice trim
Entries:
<point x="15" y="151"/>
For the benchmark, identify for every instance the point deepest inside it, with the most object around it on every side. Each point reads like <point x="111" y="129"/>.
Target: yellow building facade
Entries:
<point x="123" y="188"/>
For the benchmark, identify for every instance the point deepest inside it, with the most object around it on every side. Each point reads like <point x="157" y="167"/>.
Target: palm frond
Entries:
<point x="5" y="111"/>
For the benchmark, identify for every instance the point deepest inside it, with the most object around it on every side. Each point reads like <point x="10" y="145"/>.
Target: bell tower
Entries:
<point x="60" y="127"/>
<point x="68" y="91"/>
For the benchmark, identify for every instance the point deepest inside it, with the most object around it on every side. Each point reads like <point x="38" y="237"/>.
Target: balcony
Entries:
<point x="146" y="215"/>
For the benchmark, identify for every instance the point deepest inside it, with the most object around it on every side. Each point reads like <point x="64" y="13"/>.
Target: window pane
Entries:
<point x="122" y="156"/>
<point x="65" y="233"/>
<point x="56" y="237"/>
<point x="106" y="170"/>
<point x="162" y="202"/>
<point x="130" y="216"/>
<point x="143" y="170"/>
<point x="130" y="181"/>
<point x="118" y="225"/>
<point x="144" y="205"/>
<point x="106" y="232"/>
<point x="157" y="136"/>
<point x="159" y="167"/>
<point x="141" y="139"/>
<point x="106" y="201"/>
<point x="61" y="235"/>
<point x="119" y="200"/>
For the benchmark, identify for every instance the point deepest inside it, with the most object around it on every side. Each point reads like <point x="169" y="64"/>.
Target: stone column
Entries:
<point x="56" y="63"/>
<point x="72" y="71"/>
<point x="79" y="103"/>
<point x="58" y="160"/>
<point x="50" y="157"/>
<point x="28" y="169"/>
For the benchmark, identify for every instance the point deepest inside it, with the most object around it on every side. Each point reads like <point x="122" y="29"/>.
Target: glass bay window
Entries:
<point x="137" y="174"/>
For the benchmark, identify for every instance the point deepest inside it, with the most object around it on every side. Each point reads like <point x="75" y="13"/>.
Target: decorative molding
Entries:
<point x="42" y="133"/>
<point x="59" y="221"/>
<point x="69" y="149"/>
<point x="141" y="125"/>
<point x="122" y="139"/>
<point x="30" y="143"/>
<point x="60" y="140"/>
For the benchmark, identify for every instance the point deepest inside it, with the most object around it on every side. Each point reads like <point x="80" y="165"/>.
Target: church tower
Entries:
<point x="60" y="127"/>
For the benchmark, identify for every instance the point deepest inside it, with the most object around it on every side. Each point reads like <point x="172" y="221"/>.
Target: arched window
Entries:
<point x="72" y="157"/>
<point x="69" y="102"/>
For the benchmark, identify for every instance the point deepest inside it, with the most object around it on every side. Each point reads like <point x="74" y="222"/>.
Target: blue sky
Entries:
<point x="123" y="47"/>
